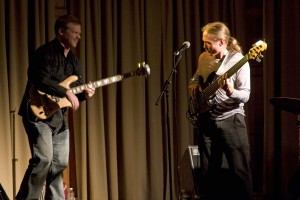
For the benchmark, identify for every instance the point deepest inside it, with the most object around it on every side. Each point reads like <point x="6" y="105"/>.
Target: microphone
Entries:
<point x="184" y="46"/>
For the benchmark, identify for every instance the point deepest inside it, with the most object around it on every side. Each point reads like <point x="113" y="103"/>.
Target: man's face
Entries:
<point x="71" y="35"/>
<point x="212" y="46"/>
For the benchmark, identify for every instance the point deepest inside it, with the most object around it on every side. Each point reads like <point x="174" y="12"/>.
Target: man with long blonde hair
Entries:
<point x="222" y="124"/>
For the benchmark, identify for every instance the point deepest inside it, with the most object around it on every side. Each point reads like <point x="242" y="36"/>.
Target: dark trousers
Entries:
<point x="225" y="139"/>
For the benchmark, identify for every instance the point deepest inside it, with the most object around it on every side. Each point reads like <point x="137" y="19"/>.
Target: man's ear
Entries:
<point x="61" y="31"/>
<point x="222" y="42"/>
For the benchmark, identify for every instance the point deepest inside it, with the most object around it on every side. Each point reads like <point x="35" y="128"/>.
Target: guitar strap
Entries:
<point x="215" y="73"/>
<point x="222" y="69"/>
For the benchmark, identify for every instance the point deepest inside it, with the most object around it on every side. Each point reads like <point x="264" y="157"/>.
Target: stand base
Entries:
<point x="3" y="195"/>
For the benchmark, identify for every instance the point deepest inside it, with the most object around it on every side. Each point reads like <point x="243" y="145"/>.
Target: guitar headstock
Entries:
<point x="256" y="51"/>
<point x="142" y="70"/>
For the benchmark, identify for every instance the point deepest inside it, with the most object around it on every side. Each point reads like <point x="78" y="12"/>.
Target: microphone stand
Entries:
<point x="14" y="159"/>
<point x="165" y="90"/>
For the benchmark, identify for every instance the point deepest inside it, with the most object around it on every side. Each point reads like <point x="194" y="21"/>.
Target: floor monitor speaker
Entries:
<point x="189" y="170"/>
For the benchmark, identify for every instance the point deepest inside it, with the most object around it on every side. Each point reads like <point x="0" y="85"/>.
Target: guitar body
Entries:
<point x="211" y="77"/>
<point x="198" y="107"/>
<point x="44" y="105"/>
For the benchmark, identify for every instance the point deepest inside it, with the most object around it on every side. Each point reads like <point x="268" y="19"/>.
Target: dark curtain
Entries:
<point x="120" y="136"/>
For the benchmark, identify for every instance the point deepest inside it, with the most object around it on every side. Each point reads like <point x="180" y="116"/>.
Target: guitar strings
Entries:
<point x="213" y="87"/>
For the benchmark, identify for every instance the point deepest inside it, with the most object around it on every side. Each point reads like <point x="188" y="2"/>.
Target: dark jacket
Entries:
<point x="47" y="68"/>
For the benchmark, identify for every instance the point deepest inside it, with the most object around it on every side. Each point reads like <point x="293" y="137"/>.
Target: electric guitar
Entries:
<point x="198" y="106"/>
<point x="44" y="105"/>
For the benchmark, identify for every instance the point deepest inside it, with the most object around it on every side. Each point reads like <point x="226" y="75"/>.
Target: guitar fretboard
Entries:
<point x="96" y="84"/>
<point x="214" y="86"/>
<point x="109" y="80"/>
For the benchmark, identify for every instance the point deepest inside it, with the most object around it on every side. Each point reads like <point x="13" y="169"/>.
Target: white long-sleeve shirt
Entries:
<point x="227" y="106"/>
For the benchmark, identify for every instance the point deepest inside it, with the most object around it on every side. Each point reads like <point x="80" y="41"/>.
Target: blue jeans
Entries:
<point x="50" y="153"/>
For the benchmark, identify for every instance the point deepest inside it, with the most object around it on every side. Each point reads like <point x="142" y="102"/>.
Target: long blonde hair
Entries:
<point x="218" y="31"/>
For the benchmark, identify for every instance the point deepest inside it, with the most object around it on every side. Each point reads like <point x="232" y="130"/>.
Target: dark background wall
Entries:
<point x="274" y="22"/>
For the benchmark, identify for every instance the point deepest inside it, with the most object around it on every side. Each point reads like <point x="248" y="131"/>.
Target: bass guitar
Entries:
<point x="44" y="105"/>
<point x="199" y="105"/>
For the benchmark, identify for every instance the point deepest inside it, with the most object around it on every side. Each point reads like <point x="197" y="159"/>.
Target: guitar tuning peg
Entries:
<point x="261" y="55"/>
<point x="258" y="59"/>
<point x="141" y="64"/>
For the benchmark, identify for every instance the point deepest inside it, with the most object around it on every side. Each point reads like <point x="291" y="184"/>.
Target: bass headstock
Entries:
<point x="256" y="51"/>
<point x="142" y="70"/>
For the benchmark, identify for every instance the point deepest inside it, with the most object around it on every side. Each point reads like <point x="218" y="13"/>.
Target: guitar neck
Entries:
<point x="210" y="90"/>
<point x="102" y="82"/>
<point x="237" y="66"/>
